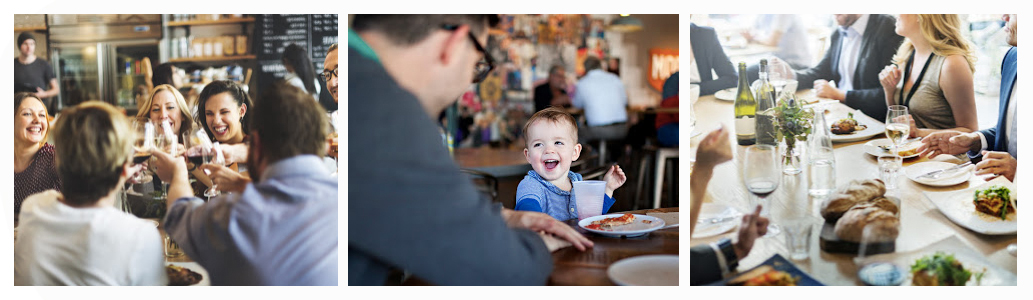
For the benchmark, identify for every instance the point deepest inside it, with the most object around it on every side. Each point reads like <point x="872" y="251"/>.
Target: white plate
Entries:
<point x="636" y="228"/>
<point x="970" y="259"/>
<point x="959" y="177"/>
<point x="647" y="270"/>
<point x="958" y="207"/>
<point x="726" y="94"/>
<point x="872" y="147"/>
<point x="715" y="210"/>
<point x="874" y="126"/>
<point x="205" y="281"/>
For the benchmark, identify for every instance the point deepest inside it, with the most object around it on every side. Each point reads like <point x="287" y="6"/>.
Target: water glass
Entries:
<point x="798" y="237"/>
<point x="821" y="179"/>
<point x="171" y="248"/>
<point x="588" y="196"/>
<point x="889" y="170"/>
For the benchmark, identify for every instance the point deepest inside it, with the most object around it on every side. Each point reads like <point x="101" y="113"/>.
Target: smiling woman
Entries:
<point x="34" y="170"/>
<point x="222" y="108"/>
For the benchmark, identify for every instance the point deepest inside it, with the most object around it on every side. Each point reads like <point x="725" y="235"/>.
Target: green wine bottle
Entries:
<point x="765" y="95"/>
<point x="745" y="110"/>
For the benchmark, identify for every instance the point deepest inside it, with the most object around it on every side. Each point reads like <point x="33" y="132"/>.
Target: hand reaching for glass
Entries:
<point x="225" y="178"/>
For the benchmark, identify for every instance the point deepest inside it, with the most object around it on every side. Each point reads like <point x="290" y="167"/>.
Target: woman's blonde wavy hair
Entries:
<point x="188" y="119"/>
<point x="943" y="32"/>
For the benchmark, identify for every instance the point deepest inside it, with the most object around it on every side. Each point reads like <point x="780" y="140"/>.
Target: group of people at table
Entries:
<point x="274" y="225"/>
<point x="919" y="61"/>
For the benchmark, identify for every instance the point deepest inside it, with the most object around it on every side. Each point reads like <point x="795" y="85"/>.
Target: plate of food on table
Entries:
<point x="618" y="225"/>
<point x="883" y="147"/>
<point x="186" y="273"/>
<point x="852" y="126"/>
<point x="776" y="271"/>
<point x="990" y="208"/>
<point x="948" y="262"/>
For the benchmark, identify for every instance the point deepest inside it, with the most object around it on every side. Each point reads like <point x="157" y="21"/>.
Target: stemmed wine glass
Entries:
<point x="761" y="174"/>
<point x="213" y="155"/>
<point x="166" y="141"/>
<point x="898" y="128"/>
<point x="780" y="74"/>
<point x="143" y="144"/>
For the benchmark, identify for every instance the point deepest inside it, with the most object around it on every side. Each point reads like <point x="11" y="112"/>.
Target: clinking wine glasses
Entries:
<point x="143" y="144"/>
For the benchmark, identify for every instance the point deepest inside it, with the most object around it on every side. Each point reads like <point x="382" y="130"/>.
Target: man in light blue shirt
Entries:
<point x="601" y="94"/>
<point x="278" y="230"/>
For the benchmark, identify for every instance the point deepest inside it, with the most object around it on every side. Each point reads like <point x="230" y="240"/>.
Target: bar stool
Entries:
<point x="662" y="154"/>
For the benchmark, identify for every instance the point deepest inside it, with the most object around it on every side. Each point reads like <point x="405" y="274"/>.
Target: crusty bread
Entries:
<point x="885" y="225"/>
<point x="856" y="192"/>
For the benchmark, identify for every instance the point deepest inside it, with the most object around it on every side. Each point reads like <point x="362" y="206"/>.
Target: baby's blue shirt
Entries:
<point x="536" y="194"/>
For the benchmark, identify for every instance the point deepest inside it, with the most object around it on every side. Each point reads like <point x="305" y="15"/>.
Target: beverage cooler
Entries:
<point x="100" y="57"/>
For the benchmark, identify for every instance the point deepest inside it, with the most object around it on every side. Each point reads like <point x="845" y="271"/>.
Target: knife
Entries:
<point x="938" y="173"/>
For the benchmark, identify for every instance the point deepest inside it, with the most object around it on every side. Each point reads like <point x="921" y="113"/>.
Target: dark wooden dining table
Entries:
<point x="499" y="162"/>
<point x="573" y="267"/>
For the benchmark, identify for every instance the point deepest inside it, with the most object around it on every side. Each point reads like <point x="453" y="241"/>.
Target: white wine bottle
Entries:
<point x="765" y="95"/>
<point x="745" y="111"/>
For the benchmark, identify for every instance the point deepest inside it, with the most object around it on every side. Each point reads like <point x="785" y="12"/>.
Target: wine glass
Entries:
<point x="213" y="156"/>
<point x="142" y="147"/>
<point x="897" y="126"/>
<point x="166" y="141"/>
<point x="761" y="174"/>
<point x="780" y="74"/>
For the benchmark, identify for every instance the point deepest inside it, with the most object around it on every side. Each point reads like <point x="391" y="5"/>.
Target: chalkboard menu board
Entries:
<point x="274" y="32"/>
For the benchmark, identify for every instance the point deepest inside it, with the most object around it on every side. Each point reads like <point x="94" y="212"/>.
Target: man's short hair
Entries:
<point x="592" y="63"/>
<point x="331" y="49"/>
<point x="556" y="67"/>
<point x="25" y="35"/>
<point x="405" y="30"/>
<point x="93" y="142"/>
<point x="554" y="115"/>
<point x="288" y="123"/>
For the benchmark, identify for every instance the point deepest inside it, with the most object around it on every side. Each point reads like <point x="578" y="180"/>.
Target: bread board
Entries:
<point x="831" y="243"/>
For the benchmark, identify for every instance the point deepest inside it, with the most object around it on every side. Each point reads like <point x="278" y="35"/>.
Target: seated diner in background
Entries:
<point x="34" y="169"/>
<point x="706" y="58"/>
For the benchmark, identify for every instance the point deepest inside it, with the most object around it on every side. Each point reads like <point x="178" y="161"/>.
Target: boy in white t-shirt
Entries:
<point x="76" y="236"/>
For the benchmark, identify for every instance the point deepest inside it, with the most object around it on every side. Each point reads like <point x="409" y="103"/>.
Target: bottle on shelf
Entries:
<point x="745" y="110"/>
<point x="765" y="96"/>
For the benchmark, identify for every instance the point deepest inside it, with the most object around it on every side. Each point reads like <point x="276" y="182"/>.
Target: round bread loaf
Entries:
<point x="857" y="191"/>
<point x="885" y="225"/>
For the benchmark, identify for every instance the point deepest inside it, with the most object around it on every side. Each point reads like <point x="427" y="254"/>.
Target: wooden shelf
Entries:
<point x="34" y="28"/>
<point x="213" y="22"/>
<point x="213" y="58"/>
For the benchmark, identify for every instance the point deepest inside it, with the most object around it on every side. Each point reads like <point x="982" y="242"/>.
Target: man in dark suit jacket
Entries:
<point x="859" y="89"/>
<point x="996" y="149"/>
<point x="710" y="58"/>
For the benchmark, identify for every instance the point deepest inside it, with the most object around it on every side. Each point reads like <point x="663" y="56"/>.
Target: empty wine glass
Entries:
<point x="213" y="156"/>
<point x="780" y="74"/>
<point x="762" y="175"/>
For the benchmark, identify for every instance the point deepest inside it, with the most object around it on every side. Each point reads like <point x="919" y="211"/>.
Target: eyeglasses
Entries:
<point x="485" y="65"/>
<point x="326" y="74"/>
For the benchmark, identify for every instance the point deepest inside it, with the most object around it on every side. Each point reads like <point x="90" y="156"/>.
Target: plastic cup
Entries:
<point x="588" y="196"/>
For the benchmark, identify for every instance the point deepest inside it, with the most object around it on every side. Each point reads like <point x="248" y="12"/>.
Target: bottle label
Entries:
<point x="745" y="126"/>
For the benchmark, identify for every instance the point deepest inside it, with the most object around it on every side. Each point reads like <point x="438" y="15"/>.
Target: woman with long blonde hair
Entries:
<point x="167" y="104"/>
<point x="932" y="74"/>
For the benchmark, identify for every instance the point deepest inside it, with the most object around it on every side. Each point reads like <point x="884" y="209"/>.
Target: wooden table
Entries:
<point x="498" y="162"/>
<point x="921" y="222"/>
<point x="573" y="267"/>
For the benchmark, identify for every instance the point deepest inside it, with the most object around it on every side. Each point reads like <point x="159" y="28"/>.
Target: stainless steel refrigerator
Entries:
<point x="99" y="57"/>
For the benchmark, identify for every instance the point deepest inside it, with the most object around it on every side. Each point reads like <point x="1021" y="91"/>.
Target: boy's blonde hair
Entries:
<point x="552" y="114"/>
<point x="93" y="142"/>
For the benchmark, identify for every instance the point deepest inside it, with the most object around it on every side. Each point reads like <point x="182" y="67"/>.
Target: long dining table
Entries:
<point x="922" y="225"/>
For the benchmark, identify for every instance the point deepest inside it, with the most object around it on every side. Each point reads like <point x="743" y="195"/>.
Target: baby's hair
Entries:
<point x="552" y="114"/>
